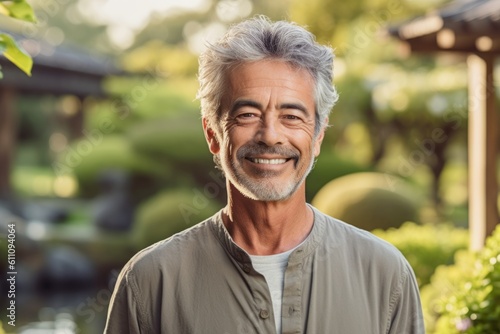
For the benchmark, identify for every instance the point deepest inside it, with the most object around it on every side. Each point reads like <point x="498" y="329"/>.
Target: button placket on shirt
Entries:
<point x="292" y="292"/>
<point x="264" y="314"/>
<point x="263" y="310"/>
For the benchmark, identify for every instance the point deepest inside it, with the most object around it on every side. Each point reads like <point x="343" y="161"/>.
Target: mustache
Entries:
<point x="256" y="149"/>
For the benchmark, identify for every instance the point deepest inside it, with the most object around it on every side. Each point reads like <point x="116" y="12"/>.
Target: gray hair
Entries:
<point x="258" y="39"/>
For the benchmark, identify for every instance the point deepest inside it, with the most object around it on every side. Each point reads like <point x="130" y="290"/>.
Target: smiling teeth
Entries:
<point x="269" y="161"/>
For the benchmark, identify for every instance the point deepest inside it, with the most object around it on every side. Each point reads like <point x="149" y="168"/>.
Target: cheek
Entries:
<point x="228" y="147"/>
<point x="238" y="136"/>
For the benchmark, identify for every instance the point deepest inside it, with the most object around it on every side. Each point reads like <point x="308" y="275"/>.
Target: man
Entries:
<point x="268" y="262"/>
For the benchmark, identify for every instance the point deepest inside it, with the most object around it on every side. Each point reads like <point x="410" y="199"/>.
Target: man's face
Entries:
<point x="267" y="145"/>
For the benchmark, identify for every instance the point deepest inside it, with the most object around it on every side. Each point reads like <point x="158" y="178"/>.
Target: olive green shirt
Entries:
<point x="340" y="280"/>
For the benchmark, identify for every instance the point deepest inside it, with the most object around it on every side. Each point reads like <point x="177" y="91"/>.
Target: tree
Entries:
<point x="331" y="20"/>
<point x="394" y="101"/>
<point x="21" y="10"/>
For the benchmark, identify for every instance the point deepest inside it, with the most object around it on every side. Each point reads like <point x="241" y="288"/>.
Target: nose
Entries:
<point x="270" y="133"/>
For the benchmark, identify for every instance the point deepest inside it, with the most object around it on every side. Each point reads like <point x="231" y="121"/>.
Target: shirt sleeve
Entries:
<point x="406" y="315"/>
<point x="123" y="312"/>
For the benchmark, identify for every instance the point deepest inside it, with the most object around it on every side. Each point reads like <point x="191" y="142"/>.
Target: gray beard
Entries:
<point x="262" y="190"/>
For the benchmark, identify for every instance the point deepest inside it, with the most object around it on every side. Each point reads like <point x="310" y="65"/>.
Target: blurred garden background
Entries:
<point x="102" y="150"/>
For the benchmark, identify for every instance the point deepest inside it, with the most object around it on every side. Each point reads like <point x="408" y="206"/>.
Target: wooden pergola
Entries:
<point x="470" y="27"/>
<point x="56" y="71"/>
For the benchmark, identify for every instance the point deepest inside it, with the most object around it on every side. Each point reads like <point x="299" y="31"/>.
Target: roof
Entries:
<point x="461" y="26"/>
<point x="58" y="70"/>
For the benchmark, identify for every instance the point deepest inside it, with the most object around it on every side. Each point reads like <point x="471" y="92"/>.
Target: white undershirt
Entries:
<point x="273" y="268"/>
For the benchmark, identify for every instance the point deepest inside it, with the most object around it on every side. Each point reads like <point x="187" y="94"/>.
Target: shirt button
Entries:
<point x="264" y="314"/>
<point x="246" y="268"/>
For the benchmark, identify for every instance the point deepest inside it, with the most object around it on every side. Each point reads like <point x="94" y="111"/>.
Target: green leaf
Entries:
<point x="18" y="9"/>
<point x="16" y="54"/>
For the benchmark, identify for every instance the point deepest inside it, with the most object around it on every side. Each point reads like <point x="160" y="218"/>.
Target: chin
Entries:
<point x="257" y="193"/>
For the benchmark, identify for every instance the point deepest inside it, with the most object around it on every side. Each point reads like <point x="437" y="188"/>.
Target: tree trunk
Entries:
<point x="8" y="126"/>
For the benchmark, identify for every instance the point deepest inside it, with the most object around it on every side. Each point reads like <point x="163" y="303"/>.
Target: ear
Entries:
<point x="211" y="137"/>
<point x="319" y="139"/>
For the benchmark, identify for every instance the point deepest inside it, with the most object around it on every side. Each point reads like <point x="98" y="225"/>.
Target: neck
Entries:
<point x="266" y="228"/>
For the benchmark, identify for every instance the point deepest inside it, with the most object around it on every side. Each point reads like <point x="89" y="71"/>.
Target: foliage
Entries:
<point x="18" y="9"/>
<point x="176" y="141"/>
<point x="329" y="166"/>
<point x="87" y="161"/>
<point x="179" y="27"/>
<point x="144" y="98"/>
<point x="158" y="131"/>
<point x="412" y="108"/>
<point x="368" y="200"/>
<point x="180" y="141"/>
<point x="32" y="181"/>
<point x="330" y="20"/>
<point x="13" y="52"/>
<point x="465" y="297"/>
<point x="426" y="246"/>
<point x="170" y="212"/>
<point x="177" y="61"/>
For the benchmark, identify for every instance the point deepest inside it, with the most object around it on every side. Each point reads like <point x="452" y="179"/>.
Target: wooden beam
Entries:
<point x="451" y="41"/>
<point x="488" y="44"/>
<point x="8" y="127"/>
<point x="483" y="128"/>
<point x="51" y="80"/>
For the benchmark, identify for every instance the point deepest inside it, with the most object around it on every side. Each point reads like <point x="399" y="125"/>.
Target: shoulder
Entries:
<point x="366" y="259"/>
<point x="171" y="252"/>
<point x="361" y="246"/>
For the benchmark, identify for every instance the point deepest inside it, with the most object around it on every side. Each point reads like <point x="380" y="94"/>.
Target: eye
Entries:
<point x="247" y="115"/>
<point x="292" y="118"/>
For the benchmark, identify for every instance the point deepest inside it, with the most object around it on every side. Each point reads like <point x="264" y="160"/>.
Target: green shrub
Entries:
<point x="465" y="297"/>
<point x="177" y="140"/>
<point x="329" y="166"/>
<point x="368" y="200"/>
<point x="426" y="246"/>
<point x="170" y="212"/>
<point x="111" y="152"/>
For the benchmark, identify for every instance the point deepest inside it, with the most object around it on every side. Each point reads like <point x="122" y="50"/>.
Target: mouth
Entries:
<point x="262" y="161"/>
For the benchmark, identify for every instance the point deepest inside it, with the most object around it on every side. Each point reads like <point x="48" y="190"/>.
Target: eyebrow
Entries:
<point x="296" y="106"/>
<point x="250" y="103"/>
<point x="245" y="103"/>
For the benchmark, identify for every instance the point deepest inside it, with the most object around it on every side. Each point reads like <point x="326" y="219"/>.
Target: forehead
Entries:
<point x="267" y="75"/>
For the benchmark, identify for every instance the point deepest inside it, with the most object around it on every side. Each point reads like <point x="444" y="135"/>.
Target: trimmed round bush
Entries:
<point x="179" y="141"/>
<point x="112" y="152"/>
<point x="329" y="166"/>
<point x="170" y="212"/>
<point x="368" y="200"/>
<point x="426" y="246"/>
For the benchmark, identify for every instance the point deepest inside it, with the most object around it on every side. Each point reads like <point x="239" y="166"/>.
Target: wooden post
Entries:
<point x="483" y="122"/>
<point x="76" y="119"/>
<point x="8" y="126"/>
